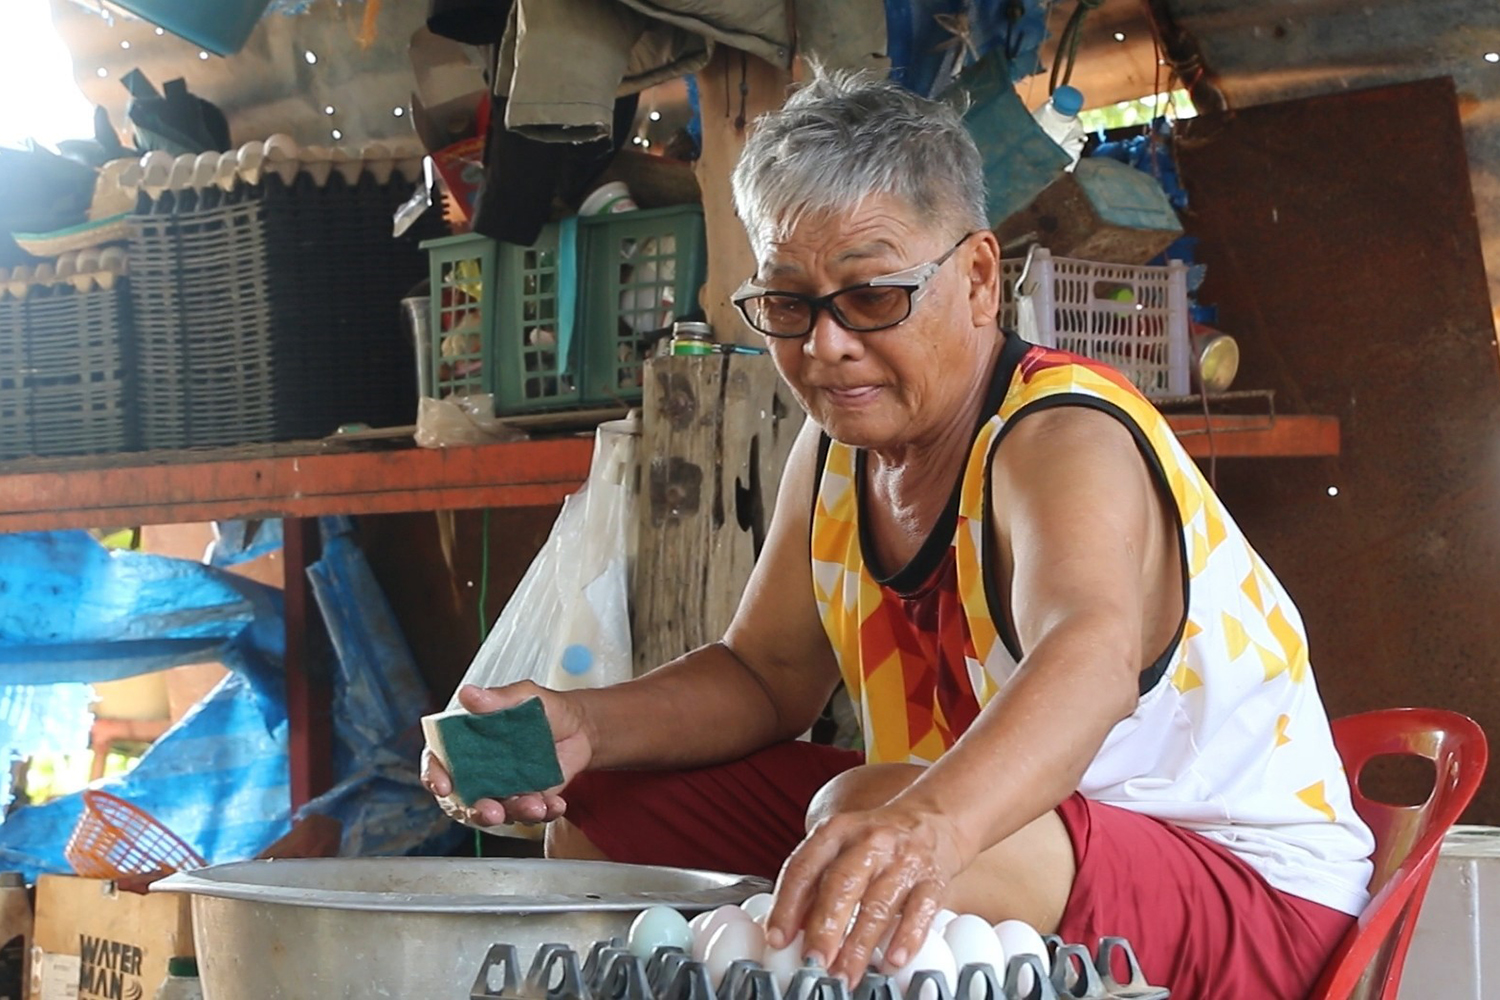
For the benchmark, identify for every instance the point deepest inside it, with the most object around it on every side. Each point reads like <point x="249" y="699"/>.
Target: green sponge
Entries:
<point x="498" y="754"/>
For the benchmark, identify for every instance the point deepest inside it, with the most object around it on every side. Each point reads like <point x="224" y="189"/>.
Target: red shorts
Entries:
<point x="1202" y="922"/>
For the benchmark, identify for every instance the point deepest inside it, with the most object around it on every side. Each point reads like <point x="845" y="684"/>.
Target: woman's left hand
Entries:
<point x="891" y="865"/>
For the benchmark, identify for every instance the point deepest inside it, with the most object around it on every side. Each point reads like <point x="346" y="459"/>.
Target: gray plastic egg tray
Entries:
<point x="611" y="972"/>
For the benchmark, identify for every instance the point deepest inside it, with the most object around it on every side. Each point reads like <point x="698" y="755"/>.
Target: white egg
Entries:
<point x="1017" y="937"/>
<point x="973" y="941"/>
<point x="934" y="955"/>
<point x="758" y="905"/>
<point x="783" y="963"/>
<point x="714" y="920"/>
<point x="658" y="926"/>
<point x="732" y="941"/>
<point x="940" y="921"/>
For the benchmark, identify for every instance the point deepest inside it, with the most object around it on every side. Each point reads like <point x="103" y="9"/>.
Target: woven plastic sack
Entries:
<point x="567" y="625"/>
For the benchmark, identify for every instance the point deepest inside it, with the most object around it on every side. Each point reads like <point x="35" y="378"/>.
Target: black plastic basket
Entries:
<point x="272" y="313"/>
<point x="64" y="372"/>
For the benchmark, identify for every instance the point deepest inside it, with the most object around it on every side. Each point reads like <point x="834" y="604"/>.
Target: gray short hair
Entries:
<point x="846" y="136"/>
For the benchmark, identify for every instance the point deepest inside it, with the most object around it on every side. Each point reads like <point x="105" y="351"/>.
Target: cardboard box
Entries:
<point x="92" y="942"/>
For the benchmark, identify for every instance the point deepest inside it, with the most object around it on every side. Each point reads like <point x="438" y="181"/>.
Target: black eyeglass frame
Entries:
<point x="913" y="280"/>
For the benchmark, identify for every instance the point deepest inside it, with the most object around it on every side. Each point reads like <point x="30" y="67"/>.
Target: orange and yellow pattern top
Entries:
<point x="1229" y="736"/>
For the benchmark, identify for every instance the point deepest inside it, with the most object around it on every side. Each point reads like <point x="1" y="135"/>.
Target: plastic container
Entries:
<point x="15" y="936"/>
<point x="462" y="306"/>
<point x="114" y="839"/>
<point x="1059" y="119"/>
<point x="548" y="328"/>
<point x="692" y="338"/>
<point x="182" y="980"/>
<point x="535" y="357"/>
<point x="495" y="322"/>
<point x="416" y="318"/>
<point x="642" y="270"/>
<point x="1134" y="318"/>
<point x="608" y="199"/>
<point x="221" y="27"/>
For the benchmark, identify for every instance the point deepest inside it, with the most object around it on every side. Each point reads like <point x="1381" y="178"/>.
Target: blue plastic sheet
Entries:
<point x="1019" y="159"/>
<point x="219" y="777"/>
<point x="379" y="700"/>
<point x="237" y="542"/>
<point x="72" y="610"/>
<point x="930" y="41"/>
<point x="1151" y="152"/>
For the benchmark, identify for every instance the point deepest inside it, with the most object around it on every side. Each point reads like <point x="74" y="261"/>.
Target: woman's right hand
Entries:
<point x="570" y="734"/>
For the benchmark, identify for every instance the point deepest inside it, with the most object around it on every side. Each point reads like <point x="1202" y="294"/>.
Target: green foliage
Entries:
<point x="1127" y="114"/>
<point x="54" y="775"/>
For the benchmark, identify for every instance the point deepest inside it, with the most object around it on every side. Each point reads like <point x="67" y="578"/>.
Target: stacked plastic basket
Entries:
<point x="64" y="365"/>
<point x="270" y="311"/>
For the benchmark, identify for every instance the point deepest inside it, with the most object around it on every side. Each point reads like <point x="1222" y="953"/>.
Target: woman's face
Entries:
<point x="894" y="387"/>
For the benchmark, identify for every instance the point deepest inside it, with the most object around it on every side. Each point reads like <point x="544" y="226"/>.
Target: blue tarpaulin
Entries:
<point x="72" y="610"/>
<point x="379" y="700"/>
<point x="75" y="612"/>
<point x="930" y="41"/>
<point x="238" y="542"/>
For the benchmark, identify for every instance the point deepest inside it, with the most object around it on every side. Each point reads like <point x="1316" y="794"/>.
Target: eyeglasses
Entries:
<point x="877" y="304"/>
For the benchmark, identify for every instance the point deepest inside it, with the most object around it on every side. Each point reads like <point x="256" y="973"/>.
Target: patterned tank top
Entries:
<point x="1229" y="736"/>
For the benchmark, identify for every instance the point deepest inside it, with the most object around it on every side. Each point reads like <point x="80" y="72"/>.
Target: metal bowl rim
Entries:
<point x="207" y="883"/>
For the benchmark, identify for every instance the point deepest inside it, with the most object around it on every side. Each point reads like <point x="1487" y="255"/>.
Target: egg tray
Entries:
<point x="612" y="972"/>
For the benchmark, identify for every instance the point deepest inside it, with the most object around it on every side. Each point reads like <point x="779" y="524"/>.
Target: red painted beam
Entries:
<point x="185" y="488"/>
<point x="1257" y="436"/>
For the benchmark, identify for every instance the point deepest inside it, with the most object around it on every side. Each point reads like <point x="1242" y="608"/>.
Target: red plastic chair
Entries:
<point x="1367" y="963"/>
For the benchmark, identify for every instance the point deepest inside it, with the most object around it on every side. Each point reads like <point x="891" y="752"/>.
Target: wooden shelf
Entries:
<point x="1257" y="436"/>
<point x="183" y="487"/>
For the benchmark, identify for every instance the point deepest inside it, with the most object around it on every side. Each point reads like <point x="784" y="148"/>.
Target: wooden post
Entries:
<point x="716" y="434"/>
<point x="733" y="89"/>
<point x="309" y="689"/>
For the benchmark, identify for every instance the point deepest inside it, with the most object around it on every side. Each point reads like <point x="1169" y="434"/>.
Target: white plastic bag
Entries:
<point x="567" y="625"/>
<point x="461" y="420"/>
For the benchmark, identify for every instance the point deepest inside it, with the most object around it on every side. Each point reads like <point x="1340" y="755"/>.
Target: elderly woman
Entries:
<point x="1086" y="702"/>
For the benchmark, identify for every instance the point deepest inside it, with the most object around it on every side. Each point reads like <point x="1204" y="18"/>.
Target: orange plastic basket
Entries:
<point x="114" y="839"/>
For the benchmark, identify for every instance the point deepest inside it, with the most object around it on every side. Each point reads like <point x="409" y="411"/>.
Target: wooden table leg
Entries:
<point x="309" y="690"/>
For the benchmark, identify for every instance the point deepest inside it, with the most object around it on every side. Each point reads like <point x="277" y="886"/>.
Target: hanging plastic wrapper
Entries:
<point x="567" y="626"/>
<point x="461" y="420"/>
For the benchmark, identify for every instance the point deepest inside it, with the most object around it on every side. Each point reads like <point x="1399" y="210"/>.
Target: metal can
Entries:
<point x="692" y="338"/>
<point x="1216" y="358"/>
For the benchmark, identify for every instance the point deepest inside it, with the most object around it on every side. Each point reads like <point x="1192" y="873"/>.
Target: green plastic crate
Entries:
<point x="502" y="313"/>
<point x="464" y="284"/>
<point x="643" y="269"/>
<point x="534" y="363"/>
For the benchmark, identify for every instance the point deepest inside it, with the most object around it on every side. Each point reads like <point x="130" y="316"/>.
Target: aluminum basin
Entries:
<point x="412" y="928"/>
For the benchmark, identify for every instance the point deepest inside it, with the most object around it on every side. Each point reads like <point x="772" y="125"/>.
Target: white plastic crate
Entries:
<point x="1133" y="318"/>
<point x="1455" y="948"/>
